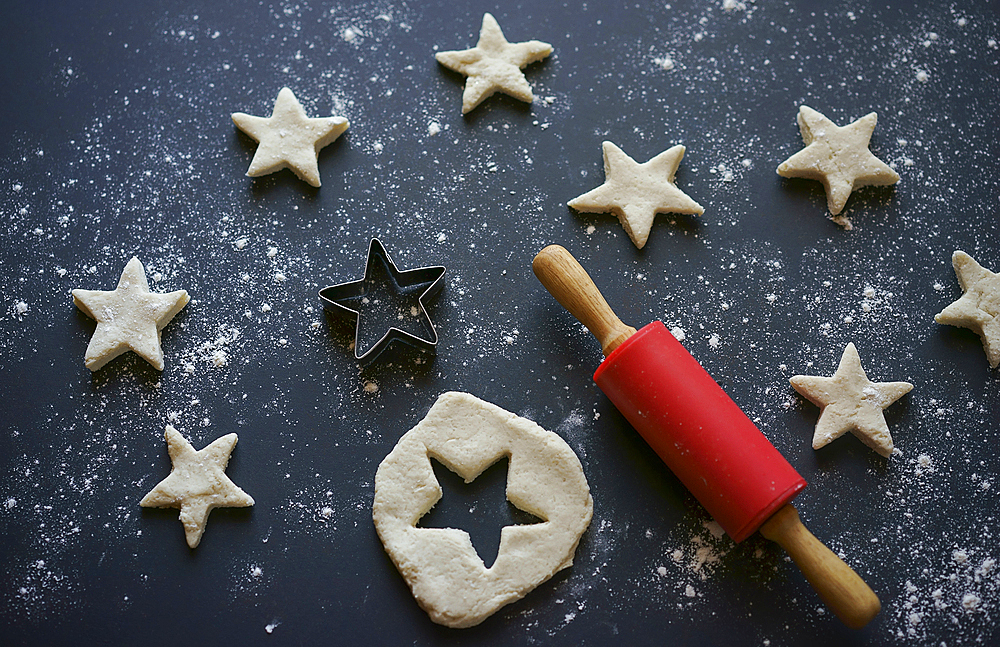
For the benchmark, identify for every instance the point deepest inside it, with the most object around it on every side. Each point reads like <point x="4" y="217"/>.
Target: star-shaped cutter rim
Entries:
<point x="432" y="275"/>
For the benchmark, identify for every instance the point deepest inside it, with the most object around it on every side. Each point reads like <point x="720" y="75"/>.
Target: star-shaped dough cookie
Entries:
<point x="197" y="483"/>
<point x="837" y="156"/>
<point x="128" y="318"/>
<point x="636" y="192"/>
<point x="494" y="65"/>
<point x="288" y="138"/>
<point x="979" y="308"/>
<point x="849" y="401"/>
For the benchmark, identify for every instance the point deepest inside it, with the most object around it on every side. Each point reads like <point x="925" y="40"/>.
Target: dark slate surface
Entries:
<point x="117" y="141"/>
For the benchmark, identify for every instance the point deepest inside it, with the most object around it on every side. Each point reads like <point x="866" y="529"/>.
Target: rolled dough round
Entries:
<point x="447" y="577"/>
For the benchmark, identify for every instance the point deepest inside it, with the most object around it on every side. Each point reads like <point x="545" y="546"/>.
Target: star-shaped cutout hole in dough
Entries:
<point x="979" y="307"/>
<point x="288" y="138"/>
<point x="494" y="65"/>
<point x="197" y="483"/>
<point x="837" y="156"/>
<point x="480" y="508"/>
<point x="129" y="317"/>
<point x="849" y="401"/>
<point x="637" y="192"/>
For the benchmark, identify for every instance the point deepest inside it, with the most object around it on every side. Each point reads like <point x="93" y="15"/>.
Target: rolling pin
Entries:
<point x="703" y="436"/>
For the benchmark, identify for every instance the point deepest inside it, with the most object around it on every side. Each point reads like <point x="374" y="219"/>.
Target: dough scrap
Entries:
<point x="130" y="317"/>
<point x="637" y="192"/>
<point x="494" y="65"/>
<point x="849" y="401"/>
<point x="440" y="565"/>
<point x="197" y="483"/>
<point x="288" y="138"/>
<point x="837" y="156"/>
<point x="978" y="309"/>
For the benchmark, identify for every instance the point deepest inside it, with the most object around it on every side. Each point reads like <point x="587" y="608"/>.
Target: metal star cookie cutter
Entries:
<point x="404" y="281"/>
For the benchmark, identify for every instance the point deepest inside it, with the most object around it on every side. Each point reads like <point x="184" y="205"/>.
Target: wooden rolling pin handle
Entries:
<point x="840" y="588"/>
<point x="570" y="284"/>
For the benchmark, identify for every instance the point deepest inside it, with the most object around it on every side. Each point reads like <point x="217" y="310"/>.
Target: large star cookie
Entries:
<point x="637" y="192"/>
<point x="288" y="138"/>
<point x="129" y="317"/>
<point x="837" y="156"/>
<point x="494" y="65"/>
<point x="197" y="483"/>
<point x="849" y="401"/>
<point x="979" y="307"/>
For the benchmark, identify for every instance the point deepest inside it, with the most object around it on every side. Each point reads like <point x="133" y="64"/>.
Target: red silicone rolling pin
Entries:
<point x="703" y="436"/>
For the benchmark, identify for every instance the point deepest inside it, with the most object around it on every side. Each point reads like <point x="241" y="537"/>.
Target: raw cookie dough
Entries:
<point x="637" y="192"/>
<point x="130" y="317"/>
<point x="837" y="156"/>
<point x="849" y="401"/>
<point x="545" y="478"/>
<point x="494" y="64"/>
<point x="197" y="483"/>
<point x="979" y="307"/>
<point x="288" y="138"/>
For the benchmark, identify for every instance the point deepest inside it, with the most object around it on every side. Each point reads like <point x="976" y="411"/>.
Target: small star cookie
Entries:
<point x="837" y="156"/>
<point x="197" y="483"/>
<point x="288" y="138"/>
<point x="494" y="65"/>
<point x="849" y="401"/>
<point x="128" y="318"/>
<point x="637" y="192"/>
<point x="979" y="307"/>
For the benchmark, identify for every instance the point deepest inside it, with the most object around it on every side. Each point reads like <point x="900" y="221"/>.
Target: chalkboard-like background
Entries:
<point x="117" y="142"/>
